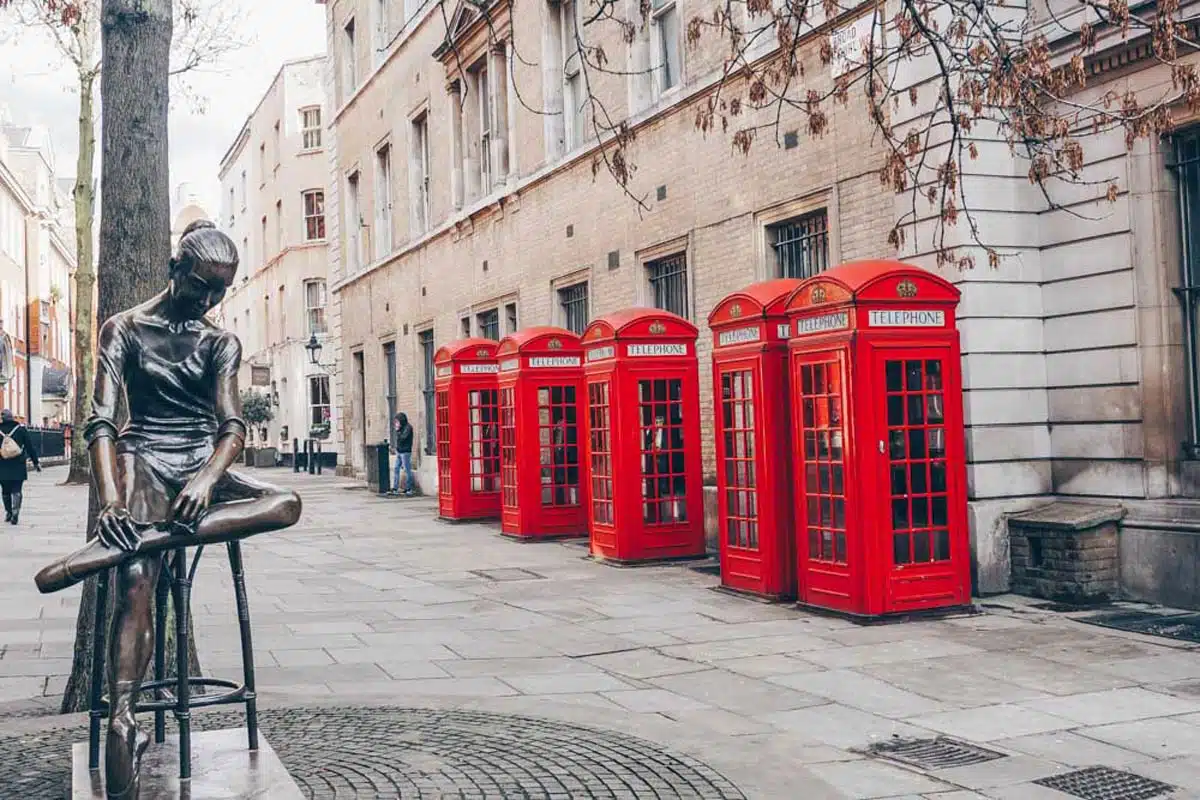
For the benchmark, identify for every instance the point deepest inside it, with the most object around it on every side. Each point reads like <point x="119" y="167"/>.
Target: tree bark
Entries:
<point x="135" y="225"/>
<point x="85" y="271"/>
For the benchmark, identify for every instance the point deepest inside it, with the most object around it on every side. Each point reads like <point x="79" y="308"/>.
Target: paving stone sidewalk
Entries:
<point x="373" y="602"/>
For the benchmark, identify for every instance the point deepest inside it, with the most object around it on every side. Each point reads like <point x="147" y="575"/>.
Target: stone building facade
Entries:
<point x="273" y="198"/>
<point x="451" y="216"/>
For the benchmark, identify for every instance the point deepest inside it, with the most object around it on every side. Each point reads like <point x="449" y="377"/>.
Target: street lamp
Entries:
<point x="314" y="350"/>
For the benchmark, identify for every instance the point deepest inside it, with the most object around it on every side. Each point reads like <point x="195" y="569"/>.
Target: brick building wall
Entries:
<point x="554" y="220"/>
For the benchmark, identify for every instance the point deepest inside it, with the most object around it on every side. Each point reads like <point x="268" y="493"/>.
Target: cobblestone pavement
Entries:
<point x="582" y="672"/>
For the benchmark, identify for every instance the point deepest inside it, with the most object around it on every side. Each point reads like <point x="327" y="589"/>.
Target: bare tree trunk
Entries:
<point x="85" y="273"/>
<point x="135" y="225"/>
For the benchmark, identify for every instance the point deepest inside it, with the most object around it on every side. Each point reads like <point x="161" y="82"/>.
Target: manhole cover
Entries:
<point x="931" y="754"/>
<point x="378" y="753"/>
<point x="508" y="574"/>
<point x="1104" y="783"/>
<point x="1184" y="627"/>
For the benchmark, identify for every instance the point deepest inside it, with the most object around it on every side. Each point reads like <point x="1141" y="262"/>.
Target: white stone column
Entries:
<point x="498" y="86"/>
<point x="457" y="152"/>
<point x="513" y="108"/>
<point x="553" y="122"/>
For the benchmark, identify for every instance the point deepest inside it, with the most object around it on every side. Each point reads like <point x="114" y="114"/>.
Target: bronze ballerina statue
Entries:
<point x="164" y="481"/>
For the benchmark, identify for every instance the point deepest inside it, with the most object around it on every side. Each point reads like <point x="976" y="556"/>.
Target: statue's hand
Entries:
<point x="193" y="500"/>
<point x="115" y="528"/>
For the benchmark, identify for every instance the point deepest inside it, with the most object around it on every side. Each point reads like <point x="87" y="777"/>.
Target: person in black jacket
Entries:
<point x="402" y="443"/>
<point x="13" y="471"/>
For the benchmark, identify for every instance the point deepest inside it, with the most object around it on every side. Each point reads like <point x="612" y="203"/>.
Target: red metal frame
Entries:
<point x="880" y="459"/>
<point x="542" y="408"/>
<point x="641" y="376"/>
<point x="751" y="421"/>
<point x="468" y="435"/>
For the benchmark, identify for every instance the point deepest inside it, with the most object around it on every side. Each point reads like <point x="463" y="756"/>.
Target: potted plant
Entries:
<point x="256" y="410"/>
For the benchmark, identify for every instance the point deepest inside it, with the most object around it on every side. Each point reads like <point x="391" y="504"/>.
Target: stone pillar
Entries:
<point x="553" y="122"/>
<point x="457" y="152"/>
<point x="498" y="86"/>
<point x="512" y="106"/>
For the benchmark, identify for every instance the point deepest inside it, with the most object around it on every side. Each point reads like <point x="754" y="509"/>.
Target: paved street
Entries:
<point x="372" y="602"/>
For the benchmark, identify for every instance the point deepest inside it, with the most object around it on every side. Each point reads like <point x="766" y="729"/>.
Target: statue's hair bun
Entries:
<point x="199" y="224"/>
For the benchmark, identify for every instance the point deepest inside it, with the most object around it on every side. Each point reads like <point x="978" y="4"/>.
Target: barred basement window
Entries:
<point x="574" y="302"/>
<point x="668" y="284"/>
<point x="488" y="323"/>
<point x="800" y="245"/>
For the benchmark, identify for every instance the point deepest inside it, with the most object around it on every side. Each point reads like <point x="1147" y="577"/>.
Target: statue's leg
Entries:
<point x="128" y="658"/>
<point x="147" y="496"/>
<point x="244" y="505"/>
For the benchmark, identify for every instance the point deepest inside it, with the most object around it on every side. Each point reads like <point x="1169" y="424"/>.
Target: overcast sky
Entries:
<point x="36" y="88"/>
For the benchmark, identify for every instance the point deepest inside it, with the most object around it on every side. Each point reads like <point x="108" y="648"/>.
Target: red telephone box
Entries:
<point x="468" y="431"/>
<point x="879" y="462"/>
<point x="541" y="414"/>
<point x="643" y="396"/>
<point x="751" y="420"/>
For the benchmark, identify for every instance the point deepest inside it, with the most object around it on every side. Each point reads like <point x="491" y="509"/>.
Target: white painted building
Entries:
<point x="273" y="206"/>
<point x="37" y="265"/>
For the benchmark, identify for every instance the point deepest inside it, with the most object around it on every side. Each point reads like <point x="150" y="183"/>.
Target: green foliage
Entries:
<point x="256" y="407"/>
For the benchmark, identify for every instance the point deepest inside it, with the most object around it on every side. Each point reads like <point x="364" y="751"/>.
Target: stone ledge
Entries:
<point x="1064" y="515"/>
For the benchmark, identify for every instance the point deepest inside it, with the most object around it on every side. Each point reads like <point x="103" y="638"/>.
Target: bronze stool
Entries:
<point x="176" y="577"/>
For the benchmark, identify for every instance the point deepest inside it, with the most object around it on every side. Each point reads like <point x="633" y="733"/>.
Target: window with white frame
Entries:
<point x="319" y="407"/>
<point x="465" y="325"/>
<point x="383" y="201"/>
<point x="510" y="318"/>
<point x="232" y="205"/>
<point x="349" y="61"/>
<point x="243" y="190"/>
<point x="573" y="303"/>
<point x="668" y="65"/>
<point x="353" y="224"/>
<point x="262" y="164"/>
<point x="314" y="215"/>
<point x="262" y="238"/>
<point x="310" y="128"/>
<point x="574" y="95"/>
<point x="799" y="247"/>
<point x="314" y="302"/>
<point x="277" y="144"/>
<point x="278" y="226"/>
<point x="420" y="172"/>
<point x="669" y="284"/>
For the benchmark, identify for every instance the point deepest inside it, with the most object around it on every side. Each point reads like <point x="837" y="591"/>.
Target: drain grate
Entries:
<point x="508" y="574"/>
<point x="931" y="754"/>
<point x="1183" y="627"/>
<point x="1104" y="783"/>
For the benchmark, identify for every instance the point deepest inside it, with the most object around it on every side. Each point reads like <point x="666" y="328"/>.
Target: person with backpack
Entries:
<point x="15" y="450"/>
<point x="402" y="443"/>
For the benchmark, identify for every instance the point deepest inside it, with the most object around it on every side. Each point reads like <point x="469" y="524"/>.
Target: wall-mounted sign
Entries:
<point x="445" y="372"/>
<point x="260" y="376"/>
<point x="601" y="353"/>
<point x="509" y="364"/>
<point x="642" y="350"/>
<point x="907" y="318"/>
<point x="739" y="336"/>
<point x="822" y="323"/>
<point x="553" y="361"/>
<point x="478" y="369"/>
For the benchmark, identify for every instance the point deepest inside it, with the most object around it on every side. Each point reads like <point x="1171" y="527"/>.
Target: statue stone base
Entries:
<point x="222" y="769"/>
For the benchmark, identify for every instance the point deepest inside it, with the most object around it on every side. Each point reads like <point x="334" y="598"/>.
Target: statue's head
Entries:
<point x="202" y="269"/>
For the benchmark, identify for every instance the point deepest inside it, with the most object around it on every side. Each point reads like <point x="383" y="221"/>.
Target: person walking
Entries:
<point x="15" y="450"/>
<point x="402" y="441"/>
